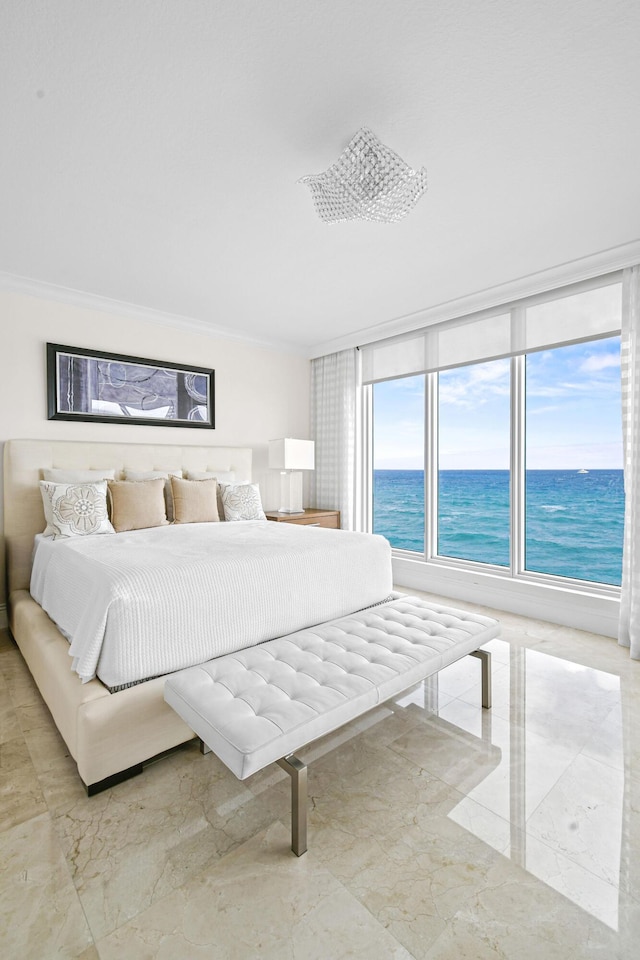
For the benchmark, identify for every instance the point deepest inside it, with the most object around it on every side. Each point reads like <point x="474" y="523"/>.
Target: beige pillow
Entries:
<point x="195" y="501"/>
<point x="136" y="504"/>
<point x="222" y="476"/>
<point x="153" y="475"/>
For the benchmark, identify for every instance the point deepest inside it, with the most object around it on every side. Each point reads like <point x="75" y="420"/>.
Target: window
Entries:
<point x="574" y="480"/>
<point x="473" y="462"/>
<point x="514" y="461"/>
<point x="398" y="449"/>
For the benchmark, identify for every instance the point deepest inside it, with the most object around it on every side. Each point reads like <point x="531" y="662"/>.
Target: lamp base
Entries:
<point x="291" y="492"/>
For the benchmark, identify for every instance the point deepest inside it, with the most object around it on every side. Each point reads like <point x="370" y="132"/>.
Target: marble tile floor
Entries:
<point x="437" y="830"/>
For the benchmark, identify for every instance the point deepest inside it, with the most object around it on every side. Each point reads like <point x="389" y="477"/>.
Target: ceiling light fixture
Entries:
<point x="368" y="182"/>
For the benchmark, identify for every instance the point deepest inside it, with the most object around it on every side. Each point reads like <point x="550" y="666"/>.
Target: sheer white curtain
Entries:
<point x="629" y="633"/>
<point x="335" y="383"/>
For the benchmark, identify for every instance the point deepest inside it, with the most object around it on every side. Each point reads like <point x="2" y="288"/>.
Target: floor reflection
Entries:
<point x="554" y="802"/>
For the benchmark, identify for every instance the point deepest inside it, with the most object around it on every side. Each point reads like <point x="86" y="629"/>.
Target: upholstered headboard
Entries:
<point x="24" y="461"/>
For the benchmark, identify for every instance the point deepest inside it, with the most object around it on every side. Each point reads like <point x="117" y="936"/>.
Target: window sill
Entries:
<point x="583" y="608"/>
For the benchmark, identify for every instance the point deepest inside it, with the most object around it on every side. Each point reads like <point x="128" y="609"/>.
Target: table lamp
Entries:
<point x="290" y="457"/>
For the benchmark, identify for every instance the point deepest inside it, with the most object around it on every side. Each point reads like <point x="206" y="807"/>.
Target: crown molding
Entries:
<point x="597" y="264"/>
<point x="10" y="283"/>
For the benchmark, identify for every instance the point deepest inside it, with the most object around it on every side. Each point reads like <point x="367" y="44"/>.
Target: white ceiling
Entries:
<point x="151" y="150"/>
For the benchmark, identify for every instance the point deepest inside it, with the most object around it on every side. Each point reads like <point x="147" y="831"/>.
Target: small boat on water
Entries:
<point x="583" y="471"/>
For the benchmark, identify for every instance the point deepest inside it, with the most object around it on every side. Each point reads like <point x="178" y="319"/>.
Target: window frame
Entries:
<point x="517" y="471"/>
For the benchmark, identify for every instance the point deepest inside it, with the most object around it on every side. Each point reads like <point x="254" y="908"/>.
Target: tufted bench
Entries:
<point x="258" y="705"/>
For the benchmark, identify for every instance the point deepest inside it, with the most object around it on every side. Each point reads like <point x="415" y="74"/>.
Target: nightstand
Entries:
<point x="314" y="518"/>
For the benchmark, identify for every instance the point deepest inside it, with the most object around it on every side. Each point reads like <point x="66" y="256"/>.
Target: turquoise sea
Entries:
<point x="574" y="519"/>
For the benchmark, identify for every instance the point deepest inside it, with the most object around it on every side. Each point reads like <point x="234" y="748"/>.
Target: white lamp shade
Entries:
<point x="288" y="454"/>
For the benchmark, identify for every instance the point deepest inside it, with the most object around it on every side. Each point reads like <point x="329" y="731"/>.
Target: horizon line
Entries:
<point x="501" y="469"/>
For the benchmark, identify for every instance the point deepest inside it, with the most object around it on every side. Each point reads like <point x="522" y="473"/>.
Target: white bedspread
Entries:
<point x="148" y="602"/>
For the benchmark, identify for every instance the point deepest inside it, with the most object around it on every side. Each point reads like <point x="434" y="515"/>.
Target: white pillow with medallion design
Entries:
<point x="241" y="501"/>
<point x="63" y="475"/>
<point x="75" y="509"/>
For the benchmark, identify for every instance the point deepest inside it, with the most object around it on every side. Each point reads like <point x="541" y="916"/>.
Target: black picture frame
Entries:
<point x="91" y="386"/>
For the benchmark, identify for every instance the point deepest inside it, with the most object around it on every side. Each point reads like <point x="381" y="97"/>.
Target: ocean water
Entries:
<point x="573" y="528"/>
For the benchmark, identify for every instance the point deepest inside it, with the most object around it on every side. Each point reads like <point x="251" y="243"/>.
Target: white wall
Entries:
<point x="260" y="393"/>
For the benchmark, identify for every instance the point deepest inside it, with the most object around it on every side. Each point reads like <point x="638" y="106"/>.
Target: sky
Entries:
<point x="573" y="413"/>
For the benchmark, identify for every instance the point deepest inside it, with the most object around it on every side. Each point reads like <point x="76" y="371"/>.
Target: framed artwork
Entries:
<point x="95" y="387"/>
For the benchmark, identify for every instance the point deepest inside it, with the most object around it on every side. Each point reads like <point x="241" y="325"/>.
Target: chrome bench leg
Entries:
<point x="204" y="749"/>
<point x="298" y="773"/>
<point x="485" y="658"/>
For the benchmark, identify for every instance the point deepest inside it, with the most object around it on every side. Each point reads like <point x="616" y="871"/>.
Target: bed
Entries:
<point x="111" y="734"/>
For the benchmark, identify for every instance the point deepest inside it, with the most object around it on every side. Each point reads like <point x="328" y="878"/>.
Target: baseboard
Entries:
<point x="4" y="621"/>
<point x="555" y="604"/>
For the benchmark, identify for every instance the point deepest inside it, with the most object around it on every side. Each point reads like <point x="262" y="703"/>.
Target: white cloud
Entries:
<point x="551" y="408"/>
<point x="474" y="385"/>
<point x="568" y="388"/>
<point x="539" y="390"/>
<point x="601" y="361"/>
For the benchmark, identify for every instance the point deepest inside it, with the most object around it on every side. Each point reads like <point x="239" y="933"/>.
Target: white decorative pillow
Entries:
<point x="242" y="501"/>
<point x="222" y="476"/>
<point x="157" y="475"/>
<point x="75" y="509"/>
<point x="62" y="475"/>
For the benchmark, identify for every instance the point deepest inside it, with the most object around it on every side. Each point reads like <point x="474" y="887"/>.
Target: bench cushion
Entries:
<point x="257" y="705"/>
